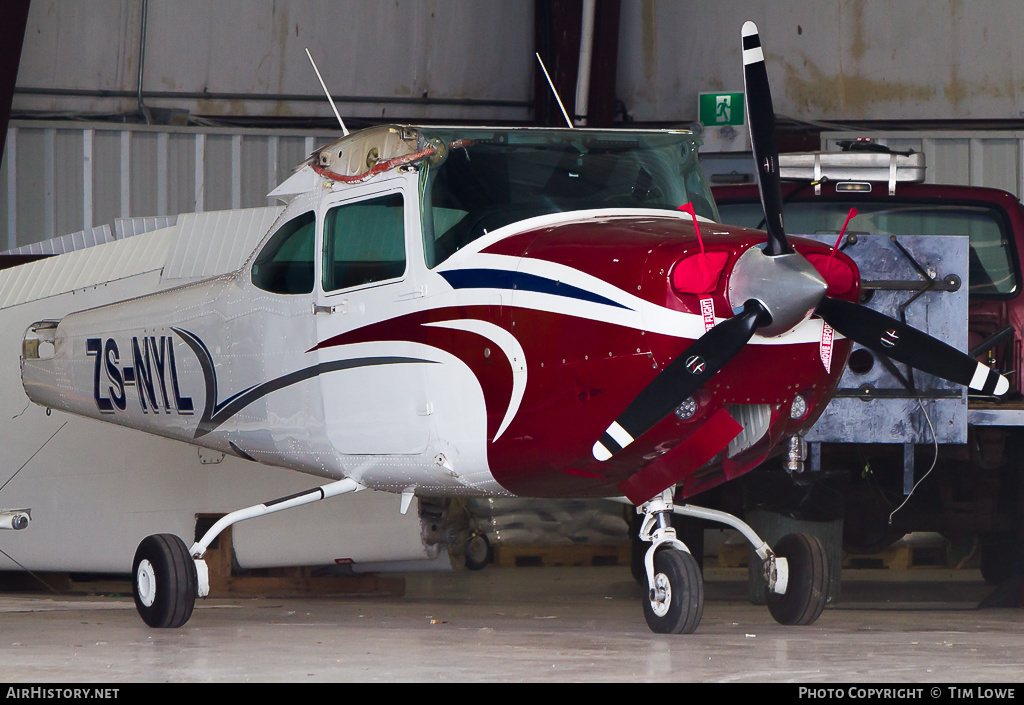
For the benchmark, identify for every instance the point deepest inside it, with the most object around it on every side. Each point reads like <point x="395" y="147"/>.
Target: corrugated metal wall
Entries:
<point x="980" y="158"/>
<point x="828" y="59"/>
<point x="64" y="177"/>
<point x="58" y="178"/>
<point x="423" y="60"/>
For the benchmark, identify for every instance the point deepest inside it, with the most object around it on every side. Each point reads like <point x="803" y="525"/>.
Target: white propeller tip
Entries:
<point x="1002" y="386"/>
<point x="982" y="378"/>
<point x="752" y="52"/>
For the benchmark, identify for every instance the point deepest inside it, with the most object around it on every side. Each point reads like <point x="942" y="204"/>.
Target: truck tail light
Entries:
<point x="855" y="186"/>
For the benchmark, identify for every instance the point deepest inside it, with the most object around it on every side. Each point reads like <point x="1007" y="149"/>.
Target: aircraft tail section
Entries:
<point x="175" y="251"/>
<point x="94" y="353"/>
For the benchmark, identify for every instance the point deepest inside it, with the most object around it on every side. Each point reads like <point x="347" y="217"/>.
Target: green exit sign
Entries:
<point x="721" y="109"/>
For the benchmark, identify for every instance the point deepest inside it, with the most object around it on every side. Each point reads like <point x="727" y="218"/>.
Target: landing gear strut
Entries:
<point x="167" y="576"/>
<point x="796" y="572"/>
<point x="675" y="588"/>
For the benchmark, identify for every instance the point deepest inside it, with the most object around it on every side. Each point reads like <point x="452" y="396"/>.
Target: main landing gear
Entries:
<point x="168" y="576"/>
<point x="165" y="581"/>
<point x="796" y="572"/>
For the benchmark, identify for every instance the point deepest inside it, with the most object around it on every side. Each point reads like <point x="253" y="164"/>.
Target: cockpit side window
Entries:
<point x="285" y="265"/>
<point x="364" y="242"/>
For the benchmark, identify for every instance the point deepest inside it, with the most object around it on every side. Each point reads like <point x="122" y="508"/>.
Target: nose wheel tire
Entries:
<point x="809" y="580"/>
<point x="676" y="604"/>
<point x="164" y="581"/>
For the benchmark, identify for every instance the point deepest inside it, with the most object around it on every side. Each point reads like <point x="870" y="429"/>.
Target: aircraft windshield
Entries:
<point x="490" y="178"/>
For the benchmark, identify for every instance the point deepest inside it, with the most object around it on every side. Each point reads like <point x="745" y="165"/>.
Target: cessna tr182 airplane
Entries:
<point x="443" y="312"/>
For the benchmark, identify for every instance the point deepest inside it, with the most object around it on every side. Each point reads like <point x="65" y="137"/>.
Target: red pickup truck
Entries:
<point x="975" y="495"/>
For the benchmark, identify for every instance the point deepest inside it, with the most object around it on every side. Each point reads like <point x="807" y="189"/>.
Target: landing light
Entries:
<point x="798" y="410"/>
<point x="687" y="409"/>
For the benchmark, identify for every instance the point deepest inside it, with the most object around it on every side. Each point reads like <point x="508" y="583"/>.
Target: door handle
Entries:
<point x="417" y="293"/>
<point x="342" y="307"/>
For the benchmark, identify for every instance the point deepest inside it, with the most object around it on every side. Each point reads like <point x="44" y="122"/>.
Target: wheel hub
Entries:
<point x="477" y="549"/>
<point x="661" y="595"/>
<point x="145" y="580"/>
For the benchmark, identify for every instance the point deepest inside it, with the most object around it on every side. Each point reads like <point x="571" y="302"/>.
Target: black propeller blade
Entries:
<point x="890" y="337"/>
<point x="761" y="119"/>
<point x="681" y="378"/>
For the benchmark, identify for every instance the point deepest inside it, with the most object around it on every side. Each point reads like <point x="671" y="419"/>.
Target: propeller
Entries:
<point x="777" y="289"/>
<point x="761" y="119"/>
<point x="897" y="340"/>
<point x="681" y="378"/>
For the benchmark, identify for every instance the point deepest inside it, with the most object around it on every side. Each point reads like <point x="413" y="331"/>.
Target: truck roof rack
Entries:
<point x="859" y="161"/>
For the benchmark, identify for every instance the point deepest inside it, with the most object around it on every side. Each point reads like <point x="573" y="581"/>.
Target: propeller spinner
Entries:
<point x="776" y="289"/>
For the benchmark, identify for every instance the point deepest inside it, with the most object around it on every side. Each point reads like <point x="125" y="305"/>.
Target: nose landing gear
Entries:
<point x="796" y="572"/>
<point x="675" y="602"/>
<point x="675" y="597"/>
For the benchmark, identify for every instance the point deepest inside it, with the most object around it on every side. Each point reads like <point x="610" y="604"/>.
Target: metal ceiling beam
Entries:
<point x="13" y="20"/>
<point x="558" y="25"/>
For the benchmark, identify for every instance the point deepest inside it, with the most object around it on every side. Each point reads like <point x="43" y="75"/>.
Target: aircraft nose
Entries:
<point x="787" y="286"/>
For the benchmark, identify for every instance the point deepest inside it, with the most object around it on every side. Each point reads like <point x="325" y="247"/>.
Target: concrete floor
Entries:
<point x="525" y="624"/>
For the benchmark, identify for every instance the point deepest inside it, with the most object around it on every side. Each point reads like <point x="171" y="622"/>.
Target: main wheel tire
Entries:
<point x="164" y="581"/>
<point x="478" y="552"/>
<point x="678" y="577"/>
<point x="998" y="558"/>
<point x="809" y="580"/>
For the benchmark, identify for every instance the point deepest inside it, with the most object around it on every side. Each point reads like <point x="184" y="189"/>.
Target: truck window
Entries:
<point x="991" y="262"/>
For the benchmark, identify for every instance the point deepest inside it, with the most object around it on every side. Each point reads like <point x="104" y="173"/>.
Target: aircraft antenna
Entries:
<point x="328" y="94"/>
<point x="553" y="89"/>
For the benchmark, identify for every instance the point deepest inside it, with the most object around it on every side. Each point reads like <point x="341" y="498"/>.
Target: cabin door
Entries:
<point x="373" y="385"/>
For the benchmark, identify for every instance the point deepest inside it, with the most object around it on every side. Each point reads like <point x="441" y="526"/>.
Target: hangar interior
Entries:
<point x="144" y="124"/>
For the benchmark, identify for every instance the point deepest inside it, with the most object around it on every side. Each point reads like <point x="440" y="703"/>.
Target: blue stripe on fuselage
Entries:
<point x="504" y="279"/>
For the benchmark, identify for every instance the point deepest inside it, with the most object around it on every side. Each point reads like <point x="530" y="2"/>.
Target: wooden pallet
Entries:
<point x="570" y="555"/>
<point x="902" y="555"/>
<point x="733" y="555"/>
<point x="287" y="582"/>
<point x="283" y="582"/>
<point x="224" y="581"/>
